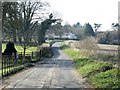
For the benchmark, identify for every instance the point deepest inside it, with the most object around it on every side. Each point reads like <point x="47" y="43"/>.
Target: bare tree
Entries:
<point x="29" y="20"/>
<point x="22" y="19"/>
<point x="10" y="16"/>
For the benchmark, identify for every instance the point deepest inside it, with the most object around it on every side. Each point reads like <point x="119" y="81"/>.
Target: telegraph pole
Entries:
<point x="0" y="30"/>
<point x="0" y="40"/>
<point x="119" y="31"/>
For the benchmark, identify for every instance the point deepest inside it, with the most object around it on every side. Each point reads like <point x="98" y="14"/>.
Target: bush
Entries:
<point x="108" y="79"/>
<point x="106" y="57"/>
<point x="44" y="51"/>
<point x="80" y="62"/>
<point x="94" y="67"/>
<point x="88" y="44"/>
<point x="109" y="37"/>
<point x="64" y="46"/>
<point x="115" y="42"/>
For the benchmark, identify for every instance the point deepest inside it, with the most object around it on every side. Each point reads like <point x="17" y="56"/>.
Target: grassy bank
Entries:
<point x="98" y="73"/>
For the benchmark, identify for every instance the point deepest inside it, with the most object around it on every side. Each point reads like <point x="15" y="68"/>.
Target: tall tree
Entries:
<point x="10" y="16"/>
<point x="88" y="30"/>
<point x="21" y="19"/>
<point x="77" y="30"/>
<point x="67" y="28"/>
<point x="44" y="27"/>
<point x="30" y="20"/>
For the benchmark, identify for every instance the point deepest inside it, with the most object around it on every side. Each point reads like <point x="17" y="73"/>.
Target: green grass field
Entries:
<point x="20" y="49"/>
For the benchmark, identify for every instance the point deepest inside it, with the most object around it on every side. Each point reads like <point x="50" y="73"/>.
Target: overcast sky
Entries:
<point x="104" y="12"/>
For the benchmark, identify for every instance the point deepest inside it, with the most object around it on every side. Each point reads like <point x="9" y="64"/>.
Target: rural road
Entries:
<point x="57" y="72"/>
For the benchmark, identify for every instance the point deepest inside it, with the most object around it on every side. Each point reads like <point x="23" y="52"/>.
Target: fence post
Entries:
<point x="32" y="56"/>
<point x="5" y="67"/>
<point x="21" y="58"/>
<point x="9" y="66"/>
<point x="41" y="52"/>
<point x="2" y="65"/>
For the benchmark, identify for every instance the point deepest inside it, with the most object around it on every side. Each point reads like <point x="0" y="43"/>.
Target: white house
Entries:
<point x="72" y="36"/>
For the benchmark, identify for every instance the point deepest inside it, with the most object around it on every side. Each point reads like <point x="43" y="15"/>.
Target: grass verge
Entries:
<point x="108" y="79"/>
<point x="72" y="53"/>
<point x="16" y="69"/>
<point x="98" y="73"/>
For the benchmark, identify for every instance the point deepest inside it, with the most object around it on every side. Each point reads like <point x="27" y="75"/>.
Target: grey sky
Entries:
<point x="83" y="11"/>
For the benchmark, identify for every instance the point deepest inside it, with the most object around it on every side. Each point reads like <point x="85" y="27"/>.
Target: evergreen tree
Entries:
<point x="88" y="30"/>
<point x="44" y="27"/>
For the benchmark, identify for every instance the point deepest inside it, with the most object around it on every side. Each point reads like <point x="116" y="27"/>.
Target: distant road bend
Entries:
<point x="57" y="72"/>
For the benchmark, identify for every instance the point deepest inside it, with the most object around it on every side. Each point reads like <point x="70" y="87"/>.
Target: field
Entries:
<point x="102" y="52"/>
<point x="102" y="46"/>
<point x="109" y="47"/>
<point x="20" y="49"/>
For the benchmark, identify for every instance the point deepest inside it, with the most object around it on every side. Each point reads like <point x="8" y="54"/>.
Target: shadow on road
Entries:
<point x="59" y="60"/>
<point x="56" y="63"/>
<point x="55" y="51"/>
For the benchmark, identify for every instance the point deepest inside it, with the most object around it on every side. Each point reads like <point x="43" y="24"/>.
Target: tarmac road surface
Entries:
<point x="56" y="72"/>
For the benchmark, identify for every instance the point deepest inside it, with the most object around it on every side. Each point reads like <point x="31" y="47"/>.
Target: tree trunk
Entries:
<point x="24" y="54"/>
<point x="41" y="38"/>
<point x="14" y="38"/>
<point x="20" y="40"/>
<point x="24" y="51"/>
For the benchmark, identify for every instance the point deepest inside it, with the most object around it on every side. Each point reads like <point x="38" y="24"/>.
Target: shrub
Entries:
<point x="108" y="79"/>
<point x="81" y="62"/>
<point x="94" y="67"/>
<point x="88" y="44"/>
<point x="44" y="51"/>
<point x="64" y="46"/>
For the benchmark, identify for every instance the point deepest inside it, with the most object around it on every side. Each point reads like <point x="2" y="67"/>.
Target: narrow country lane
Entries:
<point x="57" y="72"/>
